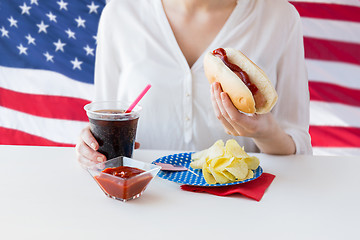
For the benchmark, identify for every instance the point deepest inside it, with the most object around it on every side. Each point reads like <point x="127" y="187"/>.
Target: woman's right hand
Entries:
<point x="86" y="149"/>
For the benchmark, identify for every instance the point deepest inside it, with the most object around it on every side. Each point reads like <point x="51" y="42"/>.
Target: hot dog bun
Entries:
<point x="239" y="93"/>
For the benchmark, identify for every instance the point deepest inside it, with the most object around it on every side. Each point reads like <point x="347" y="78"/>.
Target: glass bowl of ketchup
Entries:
<point x="123" y="178"/>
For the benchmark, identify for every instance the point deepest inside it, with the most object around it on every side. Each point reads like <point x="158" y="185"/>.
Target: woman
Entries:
<point x="163" y="43"/>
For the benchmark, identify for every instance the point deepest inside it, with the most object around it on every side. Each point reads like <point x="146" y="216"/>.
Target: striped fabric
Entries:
<point x="44" y="84"/>
<point x="47" y="51"/>
<point x="332" y="52"/>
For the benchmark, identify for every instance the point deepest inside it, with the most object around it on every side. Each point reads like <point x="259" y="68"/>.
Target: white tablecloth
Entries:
<point x="45" y="194"/>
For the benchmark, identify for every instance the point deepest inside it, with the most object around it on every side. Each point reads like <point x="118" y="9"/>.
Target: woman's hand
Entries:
<point x="263" y="128"/>
<point x="86" y="149"/>
<point x="235" y="122"/>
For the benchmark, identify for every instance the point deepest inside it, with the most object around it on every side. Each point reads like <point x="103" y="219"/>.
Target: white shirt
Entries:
<point x="136" y="47"/>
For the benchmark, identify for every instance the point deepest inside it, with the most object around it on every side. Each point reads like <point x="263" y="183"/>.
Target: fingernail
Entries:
<point x="100" y="159"/>
<point x="216" y="86"/>
<point x="93" y="146"/>
<point x="222" y="96"/>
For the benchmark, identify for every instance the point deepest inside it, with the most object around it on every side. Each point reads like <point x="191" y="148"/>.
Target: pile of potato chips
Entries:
<point x="224" y="164"/>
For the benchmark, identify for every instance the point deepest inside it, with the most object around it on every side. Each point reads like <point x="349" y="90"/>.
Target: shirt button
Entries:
<point x="187" y="118"/>
<point x="188" y="94"/>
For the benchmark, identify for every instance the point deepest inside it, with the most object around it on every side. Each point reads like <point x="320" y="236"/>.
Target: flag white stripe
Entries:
<point x="43" y="82"/>
<point x="344" y="31"/>
<point x="334" y="114"/>
<point x="336" y="151"/>
<point x="342" y="2"/>
<point x="62" y="131"/>
<point x="342" y="74"/>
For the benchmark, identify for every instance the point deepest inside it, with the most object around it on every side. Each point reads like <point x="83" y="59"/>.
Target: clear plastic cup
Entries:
<point x="112" y="127"/>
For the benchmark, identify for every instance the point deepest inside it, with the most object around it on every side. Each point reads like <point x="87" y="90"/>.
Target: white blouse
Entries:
<point x="136" y="47"/>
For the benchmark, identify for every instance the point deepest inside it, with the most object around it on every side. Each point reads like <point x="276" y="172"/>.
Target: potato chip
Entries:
<point x="224" y="164"/>
<point x="219" y="177"/>
<point x="238" y="168"/>
<point x="252" y="162"/>
<point x="232" y="148"/>
<point x="228" y="175"/>
<point x="198" y="159"/>
<point x="197" y="164"/>
<point x="207" y="175"/>
<point x="220" y="163"/>
<point x="250" y="174"/>
<point x="216" y="150"/>
<point x="198" y="155"/>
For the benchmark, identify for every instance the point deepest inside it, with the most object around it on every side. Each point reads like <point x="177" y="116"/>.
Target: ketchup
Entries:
<point x="221" y="53"/>
<point x="126" y="185"/>
<point x="123" y="171"/>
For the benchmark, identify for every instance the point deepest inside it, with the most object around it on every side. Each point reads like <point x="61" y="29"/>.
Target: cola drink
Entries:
<point x="113" y="128"/>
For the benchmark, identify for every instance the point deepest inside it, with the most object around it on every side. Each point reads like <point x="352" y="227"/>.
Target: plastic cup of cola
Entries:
<point x="113" y="127"/>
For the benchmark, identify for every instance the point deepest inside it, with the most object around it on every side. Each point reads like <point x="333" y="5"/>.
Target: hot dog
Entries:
<point x="247" y="85"/>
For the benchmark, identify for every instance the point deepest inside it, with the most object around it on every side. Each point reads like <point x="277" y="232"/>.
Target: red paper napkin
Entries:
<point x="254" y="189"/>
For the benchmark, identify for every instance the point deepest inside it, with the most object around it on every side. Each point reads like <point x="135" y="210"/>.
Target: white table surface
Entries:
<point x="45" y="194"/>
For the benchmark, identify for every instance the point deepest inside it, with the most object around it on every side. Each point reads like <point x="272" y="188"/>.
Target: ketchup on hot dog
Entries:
<point x="259" y="98"/>
<point x="221" y="53"/>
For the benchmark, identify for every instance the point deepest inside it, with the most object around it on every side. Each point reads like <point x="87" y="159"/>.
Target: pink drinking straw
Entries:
<point x="138" y="98"/>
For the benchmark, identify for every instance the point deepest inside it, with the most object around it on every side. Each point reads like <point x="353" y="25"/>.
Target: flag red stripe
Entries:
<point x="327" y="92"/>
<point x="327" y="136"/>
<point x="328" y="11"/>
<point x="58" y="107"/>
<point x="16" y="137"/>
<point x="321" y="49"/>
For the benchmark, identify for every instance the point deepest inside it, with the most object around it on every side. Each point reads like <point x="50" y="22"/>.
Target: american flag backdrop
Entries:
<point x="332" y="51"/>
<point x="47" y="53"/>
<point x="47" y="50"/>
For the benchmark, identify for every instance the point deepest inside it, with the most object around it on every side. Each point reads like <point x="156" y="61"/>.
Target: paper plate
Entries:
<point x="189" y="178"/>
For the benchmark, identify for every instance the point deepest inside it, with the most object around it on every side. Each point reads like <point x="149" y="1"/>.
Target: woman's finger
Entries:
<point x="250" y="125"/>
<point x="84" y="162"/>
<point x="88" y="138"/>
<point x="217" y="96"/>
<point x="234" y="114"/>
<point x="86" y="152"/>
<point x="238" y="120"/>
<point x="214" y="102"/>
<point x="218" y="108"/>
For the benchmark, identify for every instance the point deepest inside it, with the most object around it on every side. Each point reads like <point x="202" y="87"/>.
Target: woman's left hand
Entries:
<point x="263" y="128"/>
<point x="235" y="122"/>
